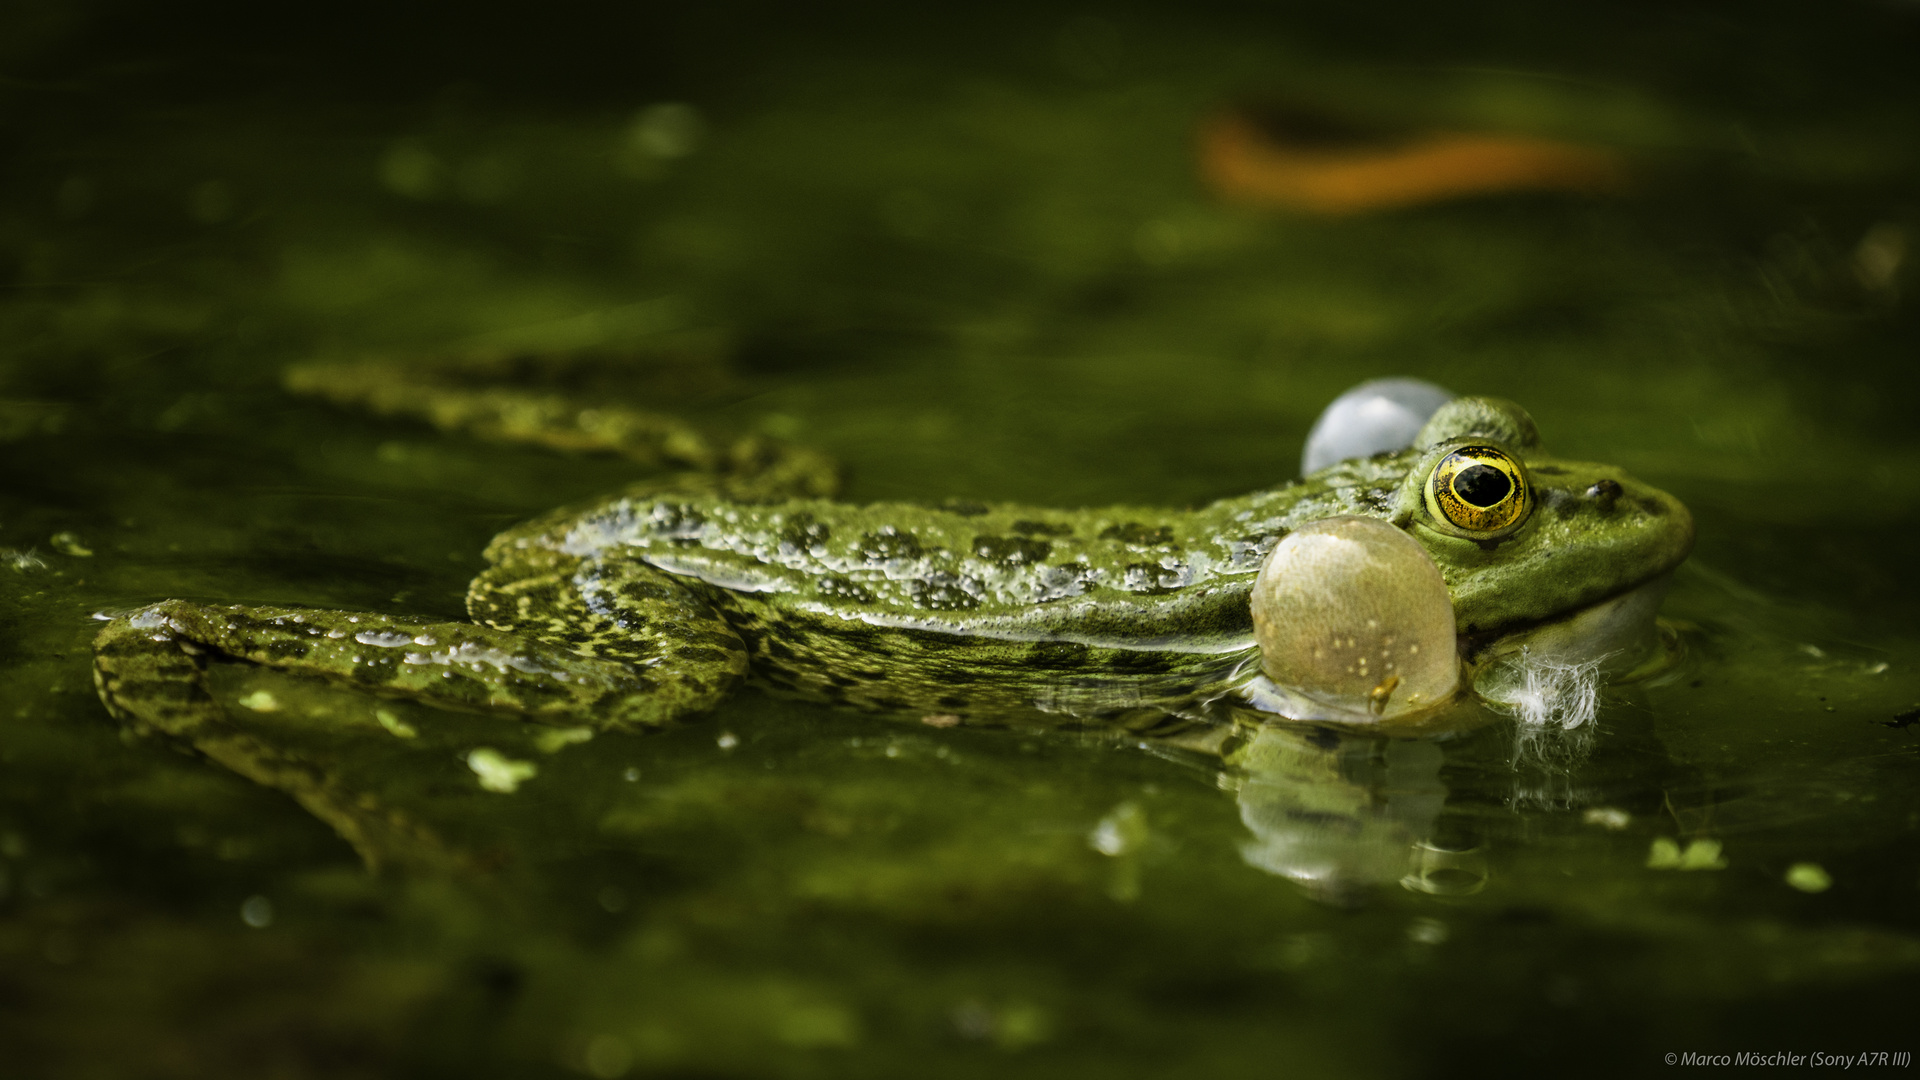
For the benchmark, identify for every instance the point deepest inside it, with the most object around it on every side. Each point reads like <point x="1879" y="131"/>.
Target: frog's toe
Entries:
<point x="1354" y="622"/>
<point x="145" y="678"/>
<point x="1375" y="417"/>
<point x="760" y="469"/>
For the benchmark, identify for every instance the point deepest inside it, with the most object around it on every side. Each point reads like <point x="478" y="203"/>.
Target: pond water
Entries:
<point x="969" y="256"/>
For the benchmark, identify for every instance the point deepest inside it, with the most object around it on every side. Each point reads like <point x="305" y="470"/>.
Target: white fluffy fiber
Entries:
<point x="1555" y="706"/>
<point x="1557" y="694"/>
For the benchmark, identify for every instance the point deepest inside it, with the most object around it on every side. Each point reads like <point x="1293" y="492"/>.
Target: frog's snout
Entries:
<point x="1353" y="613"/>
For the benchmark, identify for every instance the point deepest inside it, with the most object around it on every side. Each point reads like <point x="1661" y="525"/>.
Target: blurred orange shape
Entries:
<point x="1243" y="161"/>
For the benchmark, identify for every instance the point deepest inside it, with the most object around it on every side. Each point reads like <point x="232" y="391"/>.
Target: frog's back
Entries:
<point x="1119" y="575"/>
<point x="967" y="606"/>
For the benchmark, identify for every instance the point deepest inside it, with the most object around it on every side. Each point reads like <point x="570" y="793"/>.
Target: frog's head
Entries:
<point x="1523" y="538"/>
<point x="1542" y="574"/>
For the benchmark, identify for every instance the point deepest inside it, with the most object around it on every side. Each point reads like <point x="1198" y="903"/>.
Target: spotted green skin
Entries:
<point x="646" y="607"/>
<point x="1121" y="615"/>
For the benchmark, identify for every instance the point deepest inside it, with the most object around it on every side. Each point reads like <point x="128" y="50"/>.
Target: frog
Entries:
<point x="649" y="607"/>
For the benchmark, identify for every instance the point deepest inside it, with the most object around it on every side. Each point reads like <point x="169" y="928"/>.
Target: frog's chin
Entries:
<point x="1549" y="674"/>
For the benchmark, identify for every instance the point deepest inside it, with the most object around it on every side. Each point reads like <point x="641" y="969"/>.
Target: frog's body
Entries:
<point x="655" y="605"/>
<point x="646" y="607"/>
<point x="1122" y="612"/>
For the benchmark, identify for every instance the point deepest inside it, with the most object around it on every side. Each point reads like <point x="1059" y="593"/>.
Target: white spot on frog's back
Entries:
<point x="472" y="655"/>
<point x="620" y="524"/>
<point x="385" y="639"/>
<point x="727" y="574"/>
<point x="149" y="619"/>
<point x="1353" y="613"/>
<point x="1243" y="555"/>
<point x="1060" y="582"/>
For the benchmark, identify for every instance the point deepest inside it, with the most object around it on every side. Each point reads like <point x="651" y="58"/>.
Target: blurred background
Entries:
<point x="1054" y="253"/>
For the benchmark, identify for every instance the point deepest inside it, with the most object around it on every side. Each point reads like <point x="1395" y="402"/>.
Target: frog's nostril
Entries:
<point x="1605" y="492"/>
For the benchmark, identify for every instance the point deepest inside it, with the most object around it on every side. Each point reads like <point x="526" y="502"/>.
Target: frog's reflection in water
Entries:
<point x="1342" y="814"/>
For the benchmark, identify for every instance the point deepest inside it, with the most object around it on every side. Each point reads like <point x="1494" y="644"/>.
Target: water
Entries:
<point x="969" y="258"/>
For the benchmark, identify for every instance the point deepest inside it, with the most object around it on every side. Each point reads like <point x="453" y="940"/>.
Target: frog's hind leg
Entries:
<point x="507" y="414"/>
<point x="620" y="648"/>
<point x="684" y="655"/>
<point x="568" y="642"/>
<point x="154" y="681"/>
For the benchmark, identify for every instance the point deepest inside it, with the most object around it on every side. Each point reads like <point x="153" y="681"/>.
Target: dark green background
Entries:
<point x="965" y="251"/>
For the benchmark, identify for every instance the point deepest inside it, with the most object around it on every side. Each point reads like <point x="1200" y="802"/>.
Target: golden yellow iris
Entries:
<point x="1479" y="489"/>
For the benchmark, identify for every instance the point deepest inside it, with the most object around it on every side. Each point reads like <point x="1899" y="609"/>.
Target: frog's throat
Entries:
<point x="1548" y="673"/>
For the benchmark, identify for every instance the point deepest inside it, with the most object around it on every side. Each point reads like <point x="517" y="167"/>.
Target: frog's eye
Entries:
<point x="1479" y="490"/>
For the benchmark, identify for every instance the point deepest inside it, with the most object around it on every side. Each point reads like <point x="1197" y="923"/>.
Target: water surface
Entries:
<point x="968" y="256"/>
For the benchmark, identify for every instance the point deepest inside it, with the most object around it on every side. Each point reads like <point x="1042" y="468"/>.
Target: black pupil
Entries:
<point x="1482" y="485"/>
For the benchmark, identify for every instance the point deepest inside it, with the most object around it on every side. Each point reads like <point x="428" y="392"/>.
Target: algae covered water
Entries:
<point x="980" y="256"/>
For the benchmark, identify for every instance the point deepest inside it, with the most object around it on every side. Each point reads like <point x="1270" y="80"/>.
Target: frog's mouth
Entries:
<point x="1550" y="674"/>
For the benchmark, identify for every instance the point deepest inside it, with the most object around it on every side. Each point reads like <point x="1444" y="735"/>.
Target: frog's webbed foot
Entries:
<point x="748" y="468"/>
<point x="761" y="469"/>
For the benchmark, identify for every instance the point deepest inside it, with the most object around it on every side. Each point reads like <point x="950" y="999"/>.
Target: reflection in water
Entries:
<point x="1545" y="762"/>
<point x="1342" y="814"/>
<point x="1339" y="813"/>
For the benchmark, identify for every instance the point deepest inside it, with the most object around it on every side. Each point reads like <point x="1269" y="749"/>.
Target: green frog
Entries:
<point x="650" y="606"/>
